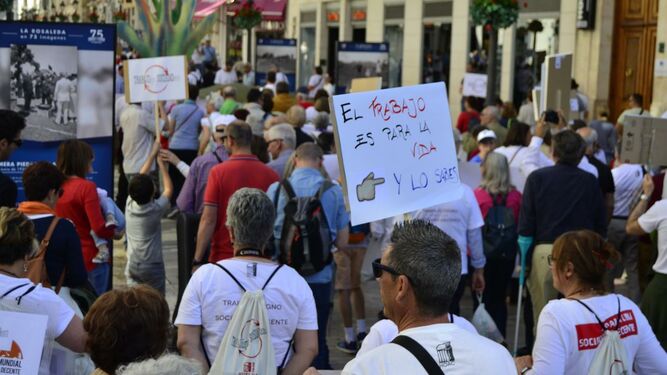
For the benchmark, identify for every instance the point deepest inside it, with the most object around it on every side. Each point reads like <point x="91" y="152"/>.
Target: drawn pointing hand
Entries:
<point x="366" y="190"/>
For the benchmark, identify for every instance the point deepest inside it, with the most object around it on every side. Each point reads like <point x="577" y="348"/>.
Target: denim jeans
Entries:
<point x="322" y="295"/>
<point x="99" y="277"/>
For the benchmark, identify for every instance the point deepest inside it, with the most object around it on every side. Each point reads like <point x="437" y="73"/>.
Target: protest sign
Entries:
<point x="557" y="83"/>
<point x="158" y="78"/>
<point x="474" y="85"/>
<point x="641" y="140"/>
<point x="366" y="84"/>
<point x="21" y="342"/>
<point x="396" y="150"/>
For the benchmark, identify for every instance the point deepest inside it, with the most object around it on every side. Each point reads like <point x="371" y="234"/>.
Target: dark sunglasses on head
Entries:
<point x="378" y="268"/>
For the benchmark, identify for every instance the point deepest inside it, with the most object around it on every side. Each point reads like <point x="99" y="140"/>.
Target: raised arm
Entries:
<point x="151" y="157"/>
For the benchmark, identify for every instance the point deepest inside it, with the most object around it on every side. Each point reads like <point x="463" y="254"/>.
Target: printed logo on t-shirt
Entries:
<point x="250" y="342"/>
<point x="445" y="354"/>
<point x="590" y="334"/>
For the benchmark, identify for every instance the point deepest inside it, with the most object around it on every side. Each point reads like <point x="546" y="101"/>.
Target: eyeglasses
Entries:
<point x="17" y="142"/>
<point x="551" y="260"/>
<point x="274" y="140"/>
<point x="378" y="268"/>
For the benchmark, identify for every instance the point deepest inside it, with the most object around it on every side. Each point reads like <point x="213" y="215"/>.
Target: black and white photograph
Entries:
<point x="95" y="102"/>
<point x="43" y="87"/>
<point x="360" y="60"/>
<point x="271" y="56"/>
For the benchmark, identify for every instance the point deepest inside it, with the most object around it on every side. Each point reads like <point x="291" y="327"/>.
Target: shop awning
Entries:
<point x="272" y="10"/>
<point x="206" y="7"/>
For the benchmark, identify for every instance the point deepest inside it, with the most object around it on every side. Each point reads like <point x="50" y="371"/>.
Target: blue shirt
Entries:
<point x="187" y="118"/>
<point x="209" y="54"/>
<point x="120" y="84"/>
<point x="307" y="182"/>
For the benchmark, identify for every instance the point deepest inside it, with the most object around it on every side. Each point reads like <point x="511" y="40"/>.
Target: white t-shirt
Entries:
<point x="456" y="218"/>
<point x="330" y="164"/>
<point x="386" y="330"/>
<point x="211" y="298"/>
<point x="281" y="77"/>
<point x="656" y="218"/>
<point x="568" y="334"/>
<point x="225" y="78"/>
<point x="42" y="301"/>
<point x="317" y="81"/>
<point x="270" y="86"/>
<point x="628" y="181"/>
<point x="456" y="350"/>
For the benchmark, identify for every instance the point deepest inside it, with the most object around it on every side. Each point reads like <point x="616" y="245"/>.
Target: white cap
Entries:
<point x="485" y="134"/>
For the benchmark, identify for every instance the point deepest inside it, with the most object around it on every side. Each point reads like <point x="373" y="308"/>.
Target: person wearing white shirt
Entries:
<point x="270" y="82"/>
<point x="515" y="149"/>
<point x="462" y="220"/>
<point x="640" y="222"/>
<point x="628" y="183"/>
<point x="418" y="275"/>
<point x="226" y="75"/>
<point x="570" y="330"/>
<point x="211" y="296"/>
<point x="248" y="75"/>
<point x="527" y="112"/>
<point x="315" y="82"/>
<point x="385" y="330"/>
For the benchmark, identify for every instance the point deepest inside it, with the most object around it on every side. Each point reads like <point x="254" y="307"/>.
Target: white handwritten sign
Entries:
<point x="153" y="79"/>
<point x="21" y="342"/>
<point x="474" y="85"/>
<point x="396" y="150"/>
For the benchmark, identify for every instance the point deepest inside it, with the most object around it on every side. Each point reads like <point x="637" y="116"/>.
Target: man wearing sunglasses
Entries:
<point x="418" y="275"/>
<point x="11" y="125"/>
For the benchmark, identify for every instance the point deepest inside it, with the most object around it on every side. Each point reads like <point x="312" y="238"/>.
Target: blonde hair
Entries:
<point x="17" y="236"/>
<point x="296" y="116"/>
<point x="495" y="174"/>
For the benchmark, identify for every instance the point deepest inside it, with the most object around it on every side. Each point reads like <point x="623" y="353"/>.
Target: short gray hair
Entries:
<point x="432" y="262"/>
<point x="589" y="135"/>
<point x="321" y="121"/>
<point x="250" y="217"/>
<point x="496" y="174"/>
<point x="282" y="131"/>
<point x="296" y="116"/>
<point x="493" y="111"/>
<point x="168" y="364"/>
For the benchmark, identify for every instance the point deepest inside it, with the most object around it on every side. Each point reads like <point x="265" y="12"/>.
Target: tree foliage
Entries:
<point x="496" y="14"/>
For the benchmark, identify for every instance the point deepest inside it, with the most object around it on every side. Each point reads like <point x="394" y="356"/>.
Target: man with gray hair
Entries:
<point x="490" y="118"/>
<point x="280" y="141"/>
<point x="229" y="105"/>
<point x="605" y="178"/>
<point x="214" y="291"/>
<point x="418" y="275"/>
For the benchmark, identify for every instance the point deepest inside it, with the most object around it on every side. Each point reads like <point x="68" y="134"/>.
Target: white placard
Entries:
<point x="660" y="67"/>
<point x="158" y="78"/>
<point x="474" y="85"/>
<point x="21" y="342"/>
<point x="396" y="150"/>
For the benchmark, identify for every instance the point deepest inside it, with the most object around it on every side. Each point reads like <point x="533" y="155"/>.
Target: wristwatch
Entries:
<point x="196" y="263"/>
<point x="644" y="197"/>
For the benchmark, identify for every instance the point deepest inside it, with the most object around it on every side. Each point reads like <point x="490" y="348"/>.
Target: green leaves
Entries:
<point x="497" y="14"/>
<point x="167" y="31"/>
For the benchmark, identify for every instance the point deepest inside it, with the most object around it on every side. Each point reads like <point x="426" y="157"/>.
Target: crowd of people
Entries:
<point x="274" y="240"/>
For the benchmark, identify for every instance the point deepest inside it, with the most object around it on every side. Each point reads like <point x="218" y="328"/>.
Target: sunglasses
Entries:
<point x="550" y="260"/>
<point x="378" y="268"/>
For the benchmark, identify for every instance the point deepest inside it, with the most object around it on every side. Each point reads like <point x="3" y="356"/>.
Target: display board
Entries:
<point x="366" y="84"/>
<point x="156" y="78"/>
<point x="359" y="60"/>
<point x="21" y="342"/>
<point x="396" y="150"/>
<point x="557" y="83"/>
<point x="60" y="77"/>
<point x="643" y="139"/>
<point x="279" y="55"/>
<point x="474" y="84"/>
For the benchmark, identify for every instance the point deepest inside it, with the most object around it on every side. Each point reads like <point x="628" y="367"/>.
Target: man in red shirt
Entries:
<point x="242" y="169"/>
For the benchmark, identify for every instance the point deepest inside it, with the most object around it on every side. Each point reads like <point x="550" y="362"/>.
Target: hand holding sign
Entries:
<point x="366" y="190"/>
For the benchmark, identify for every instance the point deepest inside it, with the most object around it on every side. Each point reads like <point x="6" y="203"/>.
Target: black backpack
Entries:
<point x="500" y="232"/>
<point x="306" y="240"/>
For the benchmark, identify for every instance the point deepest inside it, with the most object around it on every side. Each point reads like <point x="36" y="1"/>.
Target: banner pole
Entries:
<point x="157" y="120"/>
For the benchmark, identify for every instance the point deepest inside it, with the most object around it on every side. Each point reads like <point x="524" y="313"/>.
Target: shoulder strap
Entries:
<point x="288" y="188"/>
<point x="232" y="276"/>
<point x="13" y="289"/>
<point x="618" y="316"/>
<point x="420" y="353"/>
<point x="326" y="184"/>
<point x="217" y="157"/>
<point x="289" y="347"/>
<point x="592" y="312"/>
<point x="186" y="119"/>
<point x="271" y="276"/>
<point x="513" y="156"/>
<point x="18" y="299"/>
<point x="49" y="232"/>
